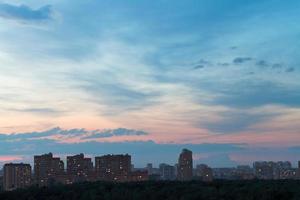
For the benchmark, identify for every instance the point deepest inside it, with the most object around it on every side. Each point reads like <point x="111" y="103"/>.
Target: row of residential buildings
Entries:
<point x="49" y="170"/>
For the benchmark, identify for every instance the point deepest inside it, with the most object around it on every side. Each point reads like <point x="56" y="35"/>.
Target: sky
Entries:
<point x="148" y="78"/>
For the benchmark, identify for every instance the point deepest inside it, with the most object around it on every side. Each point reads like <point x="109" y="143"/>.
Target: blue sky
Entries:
<point x="187" y="73"/>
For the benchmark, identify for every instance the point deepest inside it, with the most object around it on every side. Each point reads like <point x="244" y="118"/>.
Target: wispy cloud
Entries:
<point x="39" y="111"/>
<point x="249" y="94"/>
<point x="199" y="67"/>
<point x="117" y="96"/>
<point x="290" y="69"/>
<point x="79" y="134"/>
<point x="232" y="122"/>
<point x="25" y="14"/>
<point x="115" y="132"/>
<point x="240" y="60"/>
<point x="262" y="63"/>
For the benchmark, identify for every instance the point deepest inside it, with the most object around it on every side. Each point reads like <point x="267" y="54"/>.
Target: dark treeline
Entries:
<point x="217" y="190"/>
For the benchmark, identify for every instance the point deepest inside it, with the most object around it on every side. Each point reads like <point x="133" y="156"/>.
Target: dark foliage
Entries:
<point x="194" y="190"/>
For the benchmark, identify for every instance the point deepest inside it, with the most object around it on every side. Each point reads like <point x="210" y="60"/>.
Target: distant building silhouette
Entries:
<point x="16" y="176"/>
<point x="283" y="170"/>
<point x="263" y="170"/>
<point x="149" y="168"/>
<point x="185" y="165"/>
<point x="176" y="170"/>
<point x="225" y="173"/>
<point x="167" y="172"/>
<point x="204" y="173"/>
<point x="1" y="182"/>
<point x="298" y="171"/>
<point x="80" y="168"/>
<point x="139" y="175"/>
<point x="274" y="170"/>
<point x="47" y="169"/>
<point x="244" y="172"/>
<point x="113" y="167"/>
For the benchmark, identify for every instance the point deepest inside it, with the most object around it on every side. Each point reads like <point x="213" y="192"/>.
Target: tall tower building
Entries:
<point x="185" y="165"/>
<point x="79" y="167"/>
<point x="16" y="176"/>
<point x="113" y="167"/>
<point x="46" y="169"/>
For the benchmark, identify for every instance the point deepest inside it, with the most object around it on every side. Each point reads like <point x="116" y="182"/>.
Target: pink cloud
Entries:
<point x="10" y="158"/>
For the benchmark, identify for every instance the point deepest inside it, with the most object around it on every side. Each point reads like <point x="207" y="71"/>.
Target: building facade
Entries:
<point x="139" y="175"/>
<point x="274" y="170"/>
<point x="80" y="168"/>
<point x="264" y="170"/>
<point x="16" y="176"/>
<point x="46" y="169"/>
<point x="113" y="167"/>
<point x="167" y="172"/>
<point x="244" y="172"/>
<point x="204" y="172"/>
<point x="185" y="165"/>
<point x="149" y="168"/>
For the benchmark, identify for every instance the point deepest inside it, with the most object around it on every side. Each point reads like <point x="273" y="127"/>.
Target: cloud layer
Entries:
<point x="55" y="140"/>
<point x="25" y="14"/>
<point x="79" y="134"/>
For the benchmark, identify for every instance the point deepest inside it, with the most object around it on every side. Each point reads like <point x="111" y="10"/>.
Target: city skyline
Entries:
<point x="185" y="158"/>
<point x="49" y="170"/>
<point x="220" y="78"/>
